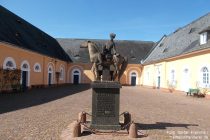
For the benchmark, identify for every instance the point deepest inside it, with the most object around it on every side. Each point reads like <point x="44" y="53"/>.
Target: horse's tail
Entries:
<point x="123" y="67"/>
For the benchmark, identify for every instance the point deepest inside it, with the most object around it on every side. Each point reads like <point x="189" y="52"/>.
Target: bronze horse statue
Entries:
<point x="119" y="62"/>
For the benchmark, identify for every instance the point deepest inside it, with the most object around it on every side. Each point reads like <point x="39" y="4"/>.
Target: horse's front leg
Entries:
<point x="93" y="71"/>
<point x="96" y="71"/>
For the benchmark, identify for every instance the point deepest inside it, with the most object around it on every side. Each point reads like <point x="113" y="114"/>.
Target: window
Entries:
<point x="133" y="74"/>
<point x="18" y="21"/>
<point x="76" y="72"/>
<point x="203" y="38"/>
<point x="61" y="73"/>
<point x="148" y="76"/>
<point x="172" y="78"/>
<point x="37" y="67"/>
<point x="25" y="66"/>
<point x="165" y="50"/>
<point x="192" y="30"/>
<point x="50" y="69"/>
<point x="186" y="71"/>
<point x="205" y="76"/>
<point x="9" y="63"/>
<point x="161" y="45"/>
<point x="172" y="75"/>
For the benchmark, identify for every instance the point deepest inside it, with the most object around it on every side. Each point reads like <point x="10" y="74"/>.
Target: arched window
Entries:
<point x="61" y="73"/>
<point x="76" y="72"/>
<point x="172" y="75"/>
<point x="9" y="63"/>
<point x="186" y="71"/>
<point x="25" y="66"/>
<point x="205" y="76"/>
<point x="133" y="74"/>
<point x="147" y="76"/>
<point x="50" y="70"/>
<point x="172" y="80"/>
<point x="37" y="67"/>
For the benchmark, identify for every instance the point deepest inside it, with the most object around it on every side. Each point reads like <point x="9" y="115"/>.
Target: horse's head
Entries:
<point x="92" y="47"/>
<point x="85" y="44"/>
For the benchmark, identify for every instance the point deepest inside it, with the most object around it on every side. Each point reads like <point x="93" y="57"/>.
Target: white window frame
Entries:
<point x="51" y="70"/>
<point x="172" y="77"/>
<point x="62" y="71"/>
<point x="37" y="64"/>
<point x="25" y="62"/>
<point x="148" y="76"/>
<point x="204" y="77"/>
<point x="6" y="60"/>
<point x="203" y="38"/>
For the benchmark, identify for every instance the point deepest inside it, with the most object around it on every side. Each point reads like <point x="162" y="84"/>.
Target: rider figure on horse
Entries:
<point x="109" y="49"/>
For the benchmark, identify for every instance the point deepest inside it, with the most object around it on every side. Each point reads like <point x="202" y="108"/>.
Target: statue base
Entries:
<point x="105" y="105"/>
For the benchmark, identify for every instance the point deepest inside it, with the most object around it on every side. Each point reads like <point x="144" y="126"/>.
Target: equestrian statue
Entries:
<point x="108" y="65"/>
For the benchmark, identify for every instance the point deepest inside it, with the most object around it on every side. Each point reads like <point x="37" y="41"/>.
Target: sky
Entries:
<point x="146" y="20"/>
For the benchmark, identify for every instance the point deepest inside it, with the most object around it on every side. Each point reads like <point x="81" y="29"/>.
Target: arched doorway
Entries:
<point x="133" y="78"/>
<point x="50" y="75"/>
<point x="76" y="76"/>
<point x="25" y="75"/>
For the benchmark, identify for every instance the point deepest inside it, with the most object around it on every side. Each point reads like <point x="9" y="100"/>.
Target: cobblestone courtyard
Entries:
<point x="45" y="113"/>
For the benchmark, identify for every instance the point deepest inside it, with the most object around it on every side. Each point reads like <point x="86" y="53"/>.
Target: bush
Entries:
<point x="10" y="79"/>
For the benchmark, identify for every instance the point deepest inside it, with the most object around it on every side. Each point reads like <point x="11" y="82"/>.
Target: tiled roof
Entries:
<point x="182" y="41"/>
<point x="20" y="33"/>
<point x="134" y="50"/>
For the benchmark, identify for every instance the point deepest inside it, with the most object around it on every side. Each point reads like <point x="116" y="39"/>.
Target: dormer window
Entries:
<point x="203" y="38"/>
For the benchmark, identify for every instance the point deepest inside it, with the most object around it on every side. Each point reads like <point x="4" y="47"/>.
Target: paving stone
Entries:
<point x="157" y="113"/>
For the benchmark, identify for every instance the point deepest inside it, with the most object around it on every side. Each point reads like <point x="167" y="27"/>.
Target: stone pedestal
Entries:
<point x="105" y="105"/>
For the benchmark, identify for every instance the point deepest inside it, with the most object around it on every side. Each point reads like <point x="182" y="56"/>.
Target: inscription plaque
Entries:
<point x="105" y="105"/>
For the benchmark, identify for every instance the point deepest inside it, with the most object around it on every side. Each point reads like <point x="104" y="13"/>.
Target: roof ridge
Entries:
<point x="104" y="40"/>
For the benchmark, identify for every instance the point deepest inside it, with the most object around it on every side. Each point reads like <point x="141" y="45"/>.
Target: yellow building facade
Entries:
<point x="80" y="68"/>
<point x="181" y="59"/>
<point x="40" y="69"/>
<point x="187" y="69"/>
